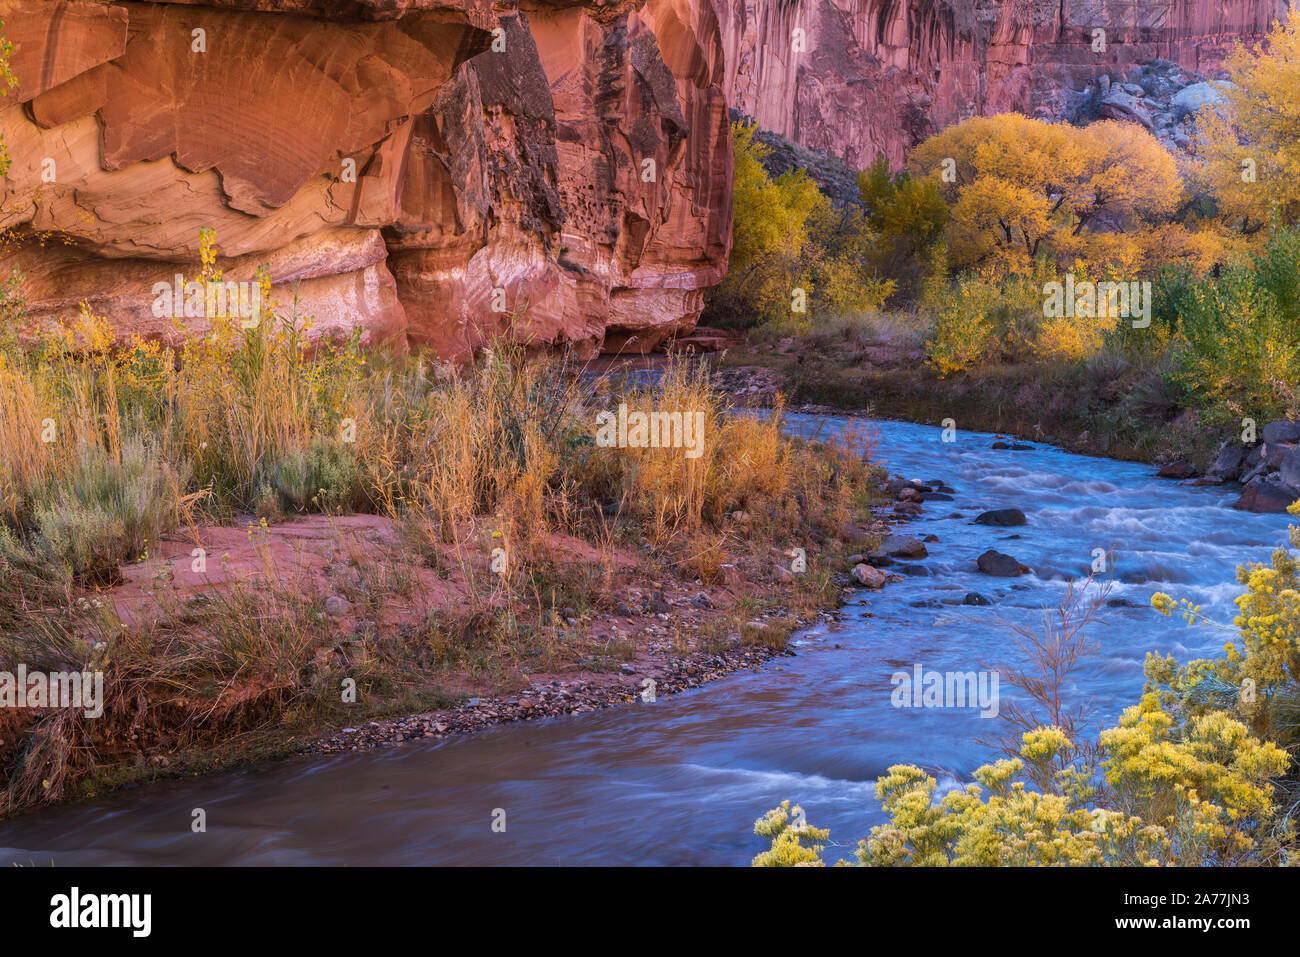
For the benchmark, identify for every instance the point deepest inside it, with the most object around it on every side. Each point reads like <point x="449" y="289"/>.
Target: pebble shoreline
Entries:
<point x="672" y="673"/>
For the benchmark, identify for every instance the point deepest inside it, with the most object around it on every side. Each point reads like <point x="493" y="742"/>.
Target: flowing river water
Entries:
<point x="681" y="780"/>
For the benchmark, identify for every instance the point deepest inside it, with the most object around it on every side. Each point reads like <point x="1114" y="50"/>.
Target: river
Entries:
<point x="681" y="780"/>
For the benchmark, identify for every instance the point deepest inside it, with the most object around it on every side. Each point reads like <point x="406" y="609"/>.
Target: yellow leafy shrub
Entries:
<point x="963" y="331"/>
<point x="1164" y="798"/>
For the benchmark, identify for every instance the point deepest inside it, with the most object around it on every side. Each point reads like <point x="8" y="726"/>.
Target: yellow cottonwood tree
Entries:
<point x="1020" y="187"/>
<point x="773" y="216"/>
<point x="1005" y="177"/>
<point x="1125" y="175"/>
<point x="1250" y="143"/>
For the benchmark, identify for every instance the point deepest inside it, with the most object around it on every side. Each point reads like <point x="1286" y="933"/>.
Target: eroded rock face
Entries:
<point x="877" y="76"/>
<point x="427" y="170"/>
<point x="611" y="151"/>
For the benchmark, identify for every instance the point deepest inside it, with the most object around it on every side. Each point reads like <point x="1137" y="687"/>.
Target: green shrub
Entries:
<point x="770" y="232"/>
<point x="1238" y="341"/>
<point x="325" y="477"/>
<point x="907" y="215"/>
<point x="107" y="511"/>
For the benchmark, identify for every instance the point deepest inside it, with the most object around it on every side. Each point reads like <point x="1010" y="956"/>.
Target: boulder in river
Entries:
<point x="898" y="484"/>
<point x="902" y="546"/>
<point x="1002" y="517"/>
<point x="1262" y="495"/>
<point x="868" y="576"/>
<point x="996" y="563"/>
<point x="975" y="598"/>
<point x="1227" y="464"/>
<point x="1258" y="471"/>
<point x="1182" y="469"/>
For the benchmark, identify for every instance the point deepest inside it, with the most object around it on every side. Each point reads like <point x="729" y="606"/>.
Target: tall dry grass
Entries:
<point x="499" y="458"/>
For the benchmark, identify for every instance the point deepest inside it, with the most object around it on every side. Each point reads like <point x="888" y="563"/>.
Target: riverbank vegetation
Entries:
<point x="1200" y="772"/>
<point x="1009" y="328"/>
<point x="256" y="539"/>
<point x="978" y="268"/>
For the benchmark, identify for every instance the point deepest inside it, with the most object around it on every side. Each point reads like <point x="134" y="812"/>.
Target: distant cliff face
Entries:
<point x="427" y="170"/>
<point x="877" y="76"/>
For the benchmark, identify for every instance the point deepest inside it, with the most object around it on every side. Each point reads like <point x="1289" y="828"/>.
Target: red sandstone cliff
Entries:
<point x="578" y="178"/>
<point x="876" y="76"/>
<point x="524" y="169"/>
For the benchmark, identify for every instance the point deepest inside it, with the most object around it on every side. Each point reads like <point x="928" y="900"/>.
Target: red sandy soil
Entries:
<point x="323" y="554"/>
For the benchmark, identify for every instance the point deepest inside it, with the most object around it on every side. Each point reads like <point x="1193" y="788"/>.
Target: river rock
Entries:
<point x="1182" y="469"/>
<point x="1271" y="456"/>
<point x="996" y="563"/>
<point x="1286" y="433"/>
<point x="1262" y="495"/>
<point x="975" y="598"/>
<point x="1248" y="475"/>
<point x="869" y="577"/>
<point x="657" y="605"/>
<point x="1002" y="517"/>
<point x="879" y="559"/>
<point x="1289" y="468"/>
<point x="1252" y="459"/>
<point x="900" y="546"/>
<point x="897" y="484"/>
<point x="1227" y="464"/>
